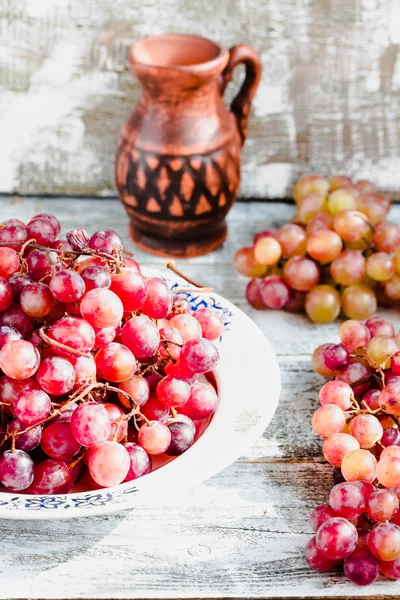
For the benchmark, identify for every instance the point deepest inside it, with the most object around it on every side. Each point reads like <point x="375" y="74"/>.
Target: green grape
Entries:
<point x="322" y="304"/>
<point x="380" y="266"/>
<point x="341" y="199"/>
<point x="359" y="302"/>
<point x="311" y="184"/>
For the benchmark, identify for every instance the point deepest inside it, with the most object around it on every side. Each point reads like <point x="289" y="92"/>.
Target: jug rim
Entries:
<point x="136" y="56"/>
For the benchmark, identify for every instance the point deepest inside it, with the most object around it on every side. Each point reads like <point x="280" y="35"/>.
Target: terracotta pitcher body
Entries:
<point x="179" y="154"/>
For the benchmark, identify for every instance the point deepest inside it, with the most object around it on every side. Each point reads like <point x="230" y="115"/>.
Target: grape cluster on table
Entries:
<point x="101" y="367"/>
<point x="359" y="420"/>
<point x="338" y="254"/>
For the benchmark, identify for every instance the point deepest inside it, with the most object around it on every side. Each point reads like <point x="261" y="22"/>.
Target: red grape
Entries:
<point x="90" y="424"/>
<point x="141" y="336"/>
<point x="115" y="362"/>
<point x="130" y="287"/>
<point x="188" y="326"/>
<point x="172" y="349"/>
<point x="154" y="437"/>
<point x="51" y="477"/>
<point x="211" y="323"/>
<point x="19" y="359"/>
<point x="58" y="442"/>
<point x="274" y="292"/>
<point x="8" y="334"/>
<point x="67" y="286"/>
<point x="200" y="355"/>
<point x="96" y="276"/>
<point x="182" y="436"/>
<point x="42" y="230"/>
<point x="159" y="299"/>
<point x="107" y="241"/>
<point x="102" y="308"/>
<point x="32" y="407"/>
<point x="74" y="333"/>
<point x="361" y="567"/>
<point x="16" y="470"/>
<point x="9" y="262"/>
<point x="56" y="376"/>
<point x="137" y="387"/>
<point x="36" y="300"/>
<point x="336" y="538"/>
<point x="202" y="402"/>
<point x="347" y="500"/>
<point x="109" y="463"/>
<point x="320" y="514"/>
<point x="140" y="461"/>
<point x="253" y="295"/>
<point x="173" y="391"/>
<point x="384" y="541"/>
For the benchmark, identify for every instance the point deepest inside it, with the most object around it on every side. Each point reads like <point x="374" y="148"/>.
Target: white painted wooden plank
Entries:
<point x="328" y="100"/>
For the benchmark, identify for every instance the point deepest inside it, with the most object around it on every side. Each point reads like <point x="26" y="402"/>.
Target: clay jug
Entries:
<point x="179" y="153"/>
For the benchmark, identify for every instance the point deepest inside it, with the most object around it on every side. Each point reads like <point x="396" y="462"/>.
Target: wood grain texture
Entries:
<point x="328" y="101"/>
<point x="239" y="535"/>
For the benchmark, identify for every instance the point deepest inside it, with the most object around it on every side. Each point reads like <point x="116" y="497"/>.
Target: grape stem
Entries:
<point x="52" y="342"/>
<point x="170" y="264"/>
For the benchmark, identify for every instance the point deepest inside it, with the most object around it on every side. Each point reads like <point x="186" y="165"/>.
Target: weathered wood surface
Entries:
<point x="328" y="101"/>
<point x="239" y="535"/>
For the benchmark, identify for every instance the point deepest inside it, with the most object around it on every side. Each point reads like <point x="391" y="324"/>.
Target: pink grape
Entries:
<point x="379" y="326"/>
<point x="119" y="427"/>
<point x="16" y="470"/>
<point x="32" y="407"/>
<point x="14" y="233"/>
<point x="347" y="500"/>
<point x="366" y="429"/>
<point x="182" y="436"/>
<point x="51" y="477"/>
<point x="15" y="317"/>
<point x="104" y="336"/>
<point x="265" y="233"/>
<point x="211" y="323"/>
<point x="42" y="230"/>
<point x="301" y="273"/>
<point x="319" y="515"/>
<point x="84" y="367"/>
<point x="384" y="541"/>
<point x="200" y="355"/>
<point x="109" y="463"/>
<point x="67" y="286"/>
<point x="390" y="568"/>
<point x="386" y="237"/>
<point x="318" y="361"/>
<point x="337" y="446"/>
<point x="154" y="437"/>
<point x="366" y="487"/>
<point x="246" y="263"/>
<point x="26" y="441"/>
<point x="336" y="357"/>
<point x="253" y="295"/>
<point x="336" y="538"/>
<point x="359" y="465"/>
<point x="41" y="264"/>
<point x="107" y="241"/>
<point x="390" y="451"/>
<point x="18" y="282"/>
<point x="361" y="567"/>
<point x="78" y="239"/>
<point x="354" y="335"/>
<point x="389" y="399"/>
<point x="74" y="333"/>
<point x="101" y="308"/>
<point x="188" y="326"/>
<point x="90" y="424"/>
<point x="36" y="300"/>
<point x="95" y="276"/>
<point x="115" y="362"/>
<point x="291" y="238"/>
<point x="274" y="292"/>
<point x="9" y="262"/>
<point x="137" y="387"/>
<point x="140" y="461"/>
<point x="388" y="472"/>
<point x="316" y="560"/>
<point x="336" y="392"/>
<point x="130" y="287"/>
<point x="202" y="402"/>
<point x="58" y="442"/>
<point x="382" y="504"/>
<point x="158" y="303"/>
<point x="173" y="391"/>
<point x="141" y="336"/>
<point x="327" y="420"/>
<point x="11" y="389"/>
<point x="8" y="334"/>
<point x="319" y="222"/>
<point x="19" y="359"/>
<point x="352" y="374"/>
<point x="154" y="410"/>
<point x="172" y="349"/>
<point x="348" y="268"/>
<point x="56" y="376"/>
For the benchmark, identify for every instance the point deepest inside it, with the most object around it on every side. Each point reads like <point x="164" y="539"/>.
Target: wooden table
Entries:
<point x="239" y="535"/>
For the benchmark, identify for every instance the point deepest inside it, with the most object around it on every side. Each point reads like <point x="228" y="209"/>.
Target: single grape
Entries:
<point x="336" y="357"/>
<point x="159" y="299"/>
<point x="378" y="326"/>
<point x="32" y="407"/>
<point x="104" y="336"/>
<point x="154" y="437"/>
<point x="56" y="376"/>
<point x="14" y="233"/>
<point x="90" y="424"/>
<point x="78" y="239"/>
<point x="319" y="515"/>
<point x="382" y="505"/>
<point x="386" y="237"/>
<point x="267" y="251"/>
<point x="347" y="500"/>
<point x="154" y="410"/>
<point x="182" y="437"/>
<point x="115" y="362"/>
<point x="200" y="355"/>
<point x="336" y="538"/>
<point x="253" y="295"/>
<point x="322" y="304"/>
<point x="379" y="351"/>
<point x="318" y="362"/>
<point x="371" y="399"/>
<point x="380" y="266"/>
<point x="388" y="472"/>
<point x="337" y="446"/>
<point x="361" y="567"/>
<point x="321" y="221"/>
<point x="18" y="282"/>
<point x="58" y="442"/>
<point x="359" y="465"/>
<point x="74" y="333"/>
<point x="316" y="560"/>
<point x="19" y="359"/>
<point x="384" y="541"/>
<point x="354" y="335"/>
<point x="36" y="300"/>
<point x="292" y="239"/>
<point x="9" y="262"/>
<point x="137" y="387"/>
<point x="336" y="392"/>
<point x="348" y="268"/>
<point x="67" y="286"/>
<point x="366" y="429"/>
<point x="51" y="477"/>
<point x="140" y="334"/>
<point x="8" y="334"/>
<point x="341" y="199"/>
<point x="359" y="301"/>
<point x="309" y="207"/>
<point x="95" y="276"/>
<point x="43" y="230"/>
<point x="390" y="568"/>
<point x="41" y="264"/>
<point x="178" y="418"/>
<point x="188" y="326"/>
<point x="353" y="227"/>
<point x="274" y="292"/>
<point x="246" y="263"/>
<point x="140" y="461"/>
<point x="173" y="391"/>
<point x="171" y="342"/>
<point x="211" y="323"/>
<point x="102" y="308"/>
<point x="16" y="470"/>
<point x="324" y="246"/>
<point x="202" y="402"/>
<point x="352" y="374"/>
<point x="15" y="317"/>
<point x="130" y="287"/>
<point x="389" y="399"/>
<point x="301" y="273"/>
<point x="107" y="241"/>
<point x="109" y="463"/>
<point x="311" y="184"/>
<point x="26" y="441"/>
<point x="391" y="288"/>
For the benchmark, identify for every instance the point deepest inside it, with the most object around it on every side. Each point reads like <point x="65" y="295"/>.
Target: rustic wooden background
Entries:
<point x="329" y="98"/>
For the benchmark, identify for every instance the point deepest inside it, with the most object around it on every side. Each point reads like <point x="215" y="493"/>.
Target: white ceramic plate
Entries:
<point x="248" y="382"/>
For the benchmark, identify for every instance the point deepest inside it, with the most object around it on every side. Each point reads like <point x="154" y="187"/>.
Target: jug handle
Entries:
<point x="241" y="104"/>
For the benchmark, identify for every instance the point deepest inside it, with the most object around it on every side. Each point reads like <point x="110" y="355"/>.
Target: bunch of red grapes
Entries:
<point x="101" y="367"/>
<point x="339" y="253"/>
<point x="359" y="420"/>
